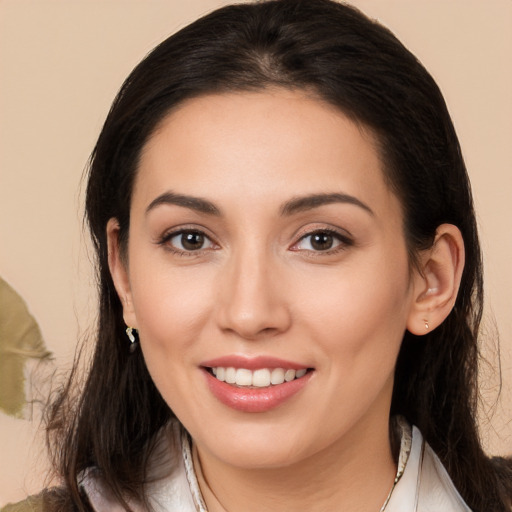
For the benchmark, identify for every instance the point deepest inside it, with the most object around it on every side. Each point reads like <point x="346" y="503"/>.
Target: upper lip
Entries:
<point x="252" y="363"/>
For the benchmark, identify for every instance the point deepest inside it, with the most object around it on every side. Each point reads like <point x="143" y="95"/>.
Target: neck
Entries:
<point x="355" y="474"/>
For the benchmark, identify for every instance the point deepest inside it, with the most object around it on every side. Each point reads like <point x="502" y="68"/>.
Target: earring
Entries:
<point x="426" y="324"/>
<point x="131" y="332"/>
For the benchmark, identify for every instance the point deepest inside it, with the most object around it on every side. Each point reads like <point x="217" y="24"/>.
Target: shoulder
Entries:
<point x="50" y="500"/>
<point x="436" y="488"/>
<point x="171" y="482"/>
<point x="424" y="484"/>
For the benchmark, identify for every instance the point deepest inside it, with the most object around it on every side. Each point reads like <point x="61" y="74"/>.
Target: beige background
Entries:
<point x="61" y="62"/>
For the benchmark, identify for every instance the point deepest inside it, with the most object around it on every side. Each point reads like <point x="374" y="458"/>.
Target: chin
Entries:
<point x="261" y="445"/>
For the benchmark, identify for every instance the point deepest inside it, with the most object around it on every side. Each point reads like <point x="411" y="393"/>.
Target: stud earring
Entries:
<point x="131" y="332"/>
<point x="426" y="324"/>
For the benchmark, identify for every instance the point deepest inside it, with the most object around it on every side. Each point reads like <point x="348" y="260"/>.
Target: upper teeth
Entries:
<point x="259" y="378"/>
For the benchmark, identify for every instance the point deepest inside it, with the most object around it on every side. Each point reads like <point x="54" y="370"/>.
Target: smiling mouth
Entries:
<point x="260" y="378"/>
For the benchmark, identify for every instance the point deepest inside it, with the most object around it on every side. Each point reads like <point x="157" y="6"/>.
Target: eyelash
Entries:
<point x="344" y="242"/>
<point x="167" y="237"/>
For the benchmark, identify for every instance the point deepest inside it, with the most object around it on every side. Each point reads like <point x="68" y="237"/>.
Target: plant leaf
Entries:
<point x="20" y="340"/>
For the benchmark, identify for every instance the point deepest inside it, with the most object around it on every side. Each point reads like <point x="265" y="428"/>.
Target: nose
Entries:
<point x="252" y="297"/>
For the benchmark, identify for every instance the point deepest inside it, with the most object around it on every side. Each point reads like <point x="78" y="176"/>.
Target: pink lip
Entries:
<point x="254" y="399"/>
<point x="252" y="363"/>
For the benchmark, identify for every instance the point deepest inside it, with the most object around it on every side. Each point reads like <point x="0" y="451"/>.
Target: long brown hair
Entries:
<point x="359" y="67"/>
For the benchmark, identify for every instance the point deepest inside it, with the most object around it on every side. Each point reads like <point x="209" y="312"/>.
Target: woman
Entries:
<point x="290" y="281"/>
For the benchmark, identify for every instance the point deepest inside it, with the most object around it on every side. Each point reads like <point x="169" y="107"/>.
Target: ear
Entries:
<point x="437" y="280"/>
<point x="119" y="271"/>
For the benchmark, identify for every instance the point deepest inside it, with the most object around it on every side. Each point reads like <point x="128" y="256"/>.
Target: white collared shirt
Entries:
<point x="421" y="485"/>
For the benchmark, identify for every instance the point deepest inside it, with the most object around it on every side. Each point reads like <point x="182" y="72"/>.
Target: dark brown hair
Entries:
<point x="359" y="67"/>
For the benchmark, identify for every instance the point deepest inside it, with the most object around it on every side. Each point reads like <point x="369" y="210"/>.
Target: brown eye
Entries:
<point x="189" y="241"/>
<point x="192" y="241"/>
<point x="322" y="241"/>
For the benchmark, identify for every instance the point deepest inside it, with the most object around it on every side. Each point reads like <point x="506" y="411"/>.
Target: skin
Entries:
<point x="259" y="287"/>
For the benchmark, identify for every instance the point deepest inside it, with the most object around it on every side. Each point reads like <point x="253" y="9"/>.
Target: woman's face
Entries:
<point x="265" y="247"/>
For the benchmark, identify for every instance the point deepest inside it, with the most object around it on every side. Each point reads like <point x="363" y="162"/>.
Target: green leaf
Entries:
<point x="20" y="340"/>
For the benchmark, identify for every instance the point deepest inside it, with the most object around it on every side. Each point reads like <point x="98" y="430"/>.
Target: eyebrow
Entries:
<point x="303" y="203"/>
<point x="295" y="205"/>
<point x="191" y="202"/>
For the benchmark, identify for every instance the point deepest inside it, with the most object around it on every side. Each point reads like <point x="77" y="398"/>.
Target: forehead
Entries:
<point x="262" y="146"/>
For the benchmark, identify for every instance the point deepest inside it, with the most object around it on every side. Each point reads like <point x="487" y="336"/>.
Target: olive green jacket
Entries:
<point x="50" y="500"/>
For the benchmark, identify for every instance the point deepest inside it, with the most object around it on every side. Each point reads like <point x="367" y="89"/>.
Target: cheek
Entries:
<point x="361" y="310"/>
<point x="171" y="307"/>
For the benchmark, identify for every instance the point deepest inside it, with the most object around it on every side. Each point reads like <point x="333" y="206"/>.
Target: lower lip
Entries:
<point x="255" y="399"/>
